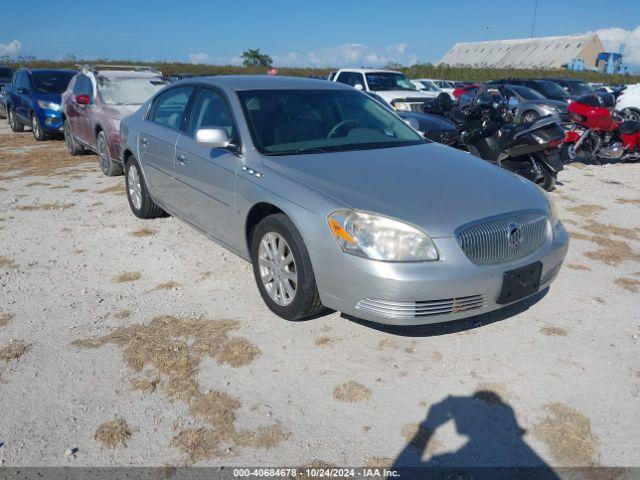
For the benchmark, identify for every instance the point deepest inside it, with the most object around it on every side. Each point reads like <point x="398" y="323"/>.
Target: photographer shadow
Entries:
<point x="495" y="448"/>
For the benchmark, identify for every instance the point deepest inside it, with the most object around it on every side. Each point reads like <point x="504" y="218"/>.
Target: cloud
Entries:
<point x="345" y="55"/>
<point x="348" y="55"/>
<point x="205" y="58"/>
<point x="11" y="48"/>
<point x="612" y="38"/>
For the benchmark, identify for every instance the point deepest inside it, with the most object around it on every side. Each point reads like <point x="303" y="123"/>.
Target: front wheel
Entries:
<point x="36" y="128"/>
<point x="282" y="269"/>
<point x="548" y="181"/>
<point x="73" y="147"/>
<point x="530" y="116"/>
<point x="15" y="125"/>
<point x="630" y="114"/>
<point x="141" y="203"/>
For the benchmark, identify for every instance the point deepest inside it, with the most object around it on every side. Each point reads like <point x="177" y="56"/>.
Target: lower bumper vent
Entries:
<point x="419" y="309"/>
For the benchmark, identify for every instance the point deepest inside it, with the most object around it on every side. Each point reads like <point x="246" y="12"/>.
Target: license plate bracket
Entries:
<point x="520" y="283"/>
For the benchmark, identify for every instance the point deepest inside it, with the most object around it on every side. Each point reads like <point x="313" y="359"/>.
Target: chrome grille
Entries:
<point x="505" y="238"/>
<point x="418" y="309"/>
<point x="446" y="137"/>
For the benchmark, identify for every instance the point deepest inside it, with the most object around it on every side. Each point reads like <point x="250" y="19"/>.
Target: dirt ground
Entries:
<point x="130" y="342"/>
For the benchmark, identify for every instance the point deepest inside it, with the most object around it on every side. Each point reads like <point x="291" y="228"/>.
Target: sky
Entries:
<point x="302" y="33"/>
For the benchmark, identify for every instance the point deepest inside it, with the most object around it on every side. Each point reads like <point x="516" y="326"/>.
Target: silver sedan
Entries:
<point x="337" y="202"/>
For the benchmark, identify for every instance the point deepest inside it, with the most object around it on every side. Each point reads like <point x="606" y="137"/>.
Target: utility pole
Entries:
<point x="535" y="12"/>
<point x="486" y="32"/>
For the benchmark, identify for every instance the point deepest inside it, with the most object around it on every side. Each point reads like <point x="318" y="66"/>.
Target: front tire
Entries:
<point x="73" y="147"/>
<point x="15" y="125"/>
<point x="548" y="181"/>
<point x="282" y="269"/>
<point x="108" y="166"/>
<point x="138" y="196"/>
<point x="530" y="116"/>
<point x="36" y="127"/>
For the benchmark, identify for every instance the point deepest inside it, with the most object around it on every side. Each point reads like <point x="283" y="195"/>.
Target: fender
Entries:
<point x="551" y="159"/>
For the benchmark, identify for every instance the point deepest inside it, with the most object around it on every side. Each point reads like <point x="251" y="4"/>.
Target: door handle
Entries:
<point x="182" y="159"/>
<point x="144" y="142"/>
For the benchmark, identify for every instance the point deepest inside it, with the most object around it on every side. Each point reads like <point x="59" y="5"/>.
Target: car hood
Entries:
<point x="428" y="122"/>
<point x="48" y="97"/>
<point x="429" y="185"/>
<point x="118" y="112"/>
<point x="390" y="95"/>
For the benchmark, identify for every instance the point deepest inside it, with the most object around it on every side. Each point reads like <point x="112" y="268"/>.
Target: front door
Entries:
<point x="205" y="176"/>
<point x="157" y="143"/>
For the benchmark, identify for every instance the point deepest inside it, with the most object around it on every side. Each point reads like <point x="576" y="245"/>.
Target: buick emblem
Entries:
<point x="514" y="238"/>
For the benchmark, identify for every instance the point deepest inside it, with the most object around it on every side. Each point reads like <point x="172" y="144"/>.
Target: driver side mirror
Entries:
<point x="413" y="123"/>
<point x="213" y="137"/>
<point x="358" y="87"/>
<point x="513" y="103"/>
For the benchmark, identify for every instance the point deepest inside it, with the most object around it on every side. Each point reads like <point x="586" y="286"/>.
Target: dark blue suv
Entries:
<point x="33" y="98"/>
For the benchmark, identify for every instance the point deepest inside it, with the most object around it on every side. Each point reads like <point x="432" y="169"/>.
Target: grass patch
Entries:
<point x="14" y="351"/>
<point x="113" y="433"/>
<point x="322" y="342"/>
<point x="119" y="188"/>
<point x="585" y="210"/>
<point x="550" y="331"/>
<point x="170" y="285"/>
<point x="125" y="277"/>
<point x="567" y="433"/>
<point x="5" y="318"/>
<point x="351" y="392"/>
<point x="125" y="313"/>
<point x="7" y="263"/>
<point x="143" y="232"/>
<point x="45" y="206"/>
<point x="629" y="284"/>
<point x="628" y="201"/>
<point x="577" y="266"/>
<point x="173" y="348"/>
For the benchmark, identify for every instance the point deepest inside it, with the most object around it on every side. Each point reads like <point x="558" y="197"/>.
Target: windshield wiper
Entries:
<point x="299" y="151"/>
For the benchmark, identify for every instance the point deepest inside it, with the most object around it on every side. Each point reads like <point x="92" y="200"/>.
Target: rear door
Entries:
<point x="205" y="176"/>
<point x="21" y="96"/>
<point x="157" y="142"/>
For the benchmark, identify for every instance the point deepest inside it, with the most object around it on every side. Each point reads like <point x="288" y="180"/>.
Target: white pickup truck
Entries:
<point x="394" y="87"/>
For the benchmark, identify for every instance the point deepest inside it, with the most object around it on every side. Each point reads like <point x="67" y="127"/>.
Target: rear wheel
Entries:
<point x="530" y="116"/>
<point x="282" y="269"/>
<point x="631" y="114"/>
<point x="15" y="125"/>
<point x="73" y="147"/>
<point x="107" y="165"/>
<point x="138" y="196"/>
<point x="548" y="181"/>
<point x="38" y="132"/>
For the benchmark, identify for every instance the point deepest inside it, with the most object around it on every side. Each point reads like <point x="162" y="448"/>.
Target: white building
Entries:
<point x="546" y="52"/>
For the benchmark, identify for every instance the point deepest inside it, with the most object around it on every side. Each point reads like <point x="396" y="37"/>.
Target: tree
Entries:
<point x="253" y="58"/>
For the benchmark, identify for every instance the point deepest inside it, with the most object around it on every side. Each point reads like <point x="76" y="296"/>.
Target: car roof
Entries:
<point x="266" y="82"/>
<point x="126" y="74"/>
<point x="50" y="70"/>
<point x="368" y="70"/>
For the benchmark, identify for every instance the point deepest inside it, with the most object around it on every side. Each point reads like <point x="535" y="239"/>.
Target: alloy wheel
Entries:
<point x="35" y="126"/>
<point x="103" y="153"/>
<point x="134" y="187"/>
<point x="277" y="268"/>
<point x="68" y="139"/>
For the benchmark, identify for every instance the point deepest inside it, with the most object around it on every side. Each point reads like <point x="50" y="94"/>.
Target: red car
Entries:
<point x="95" y="102"/>
<point x="459" y="91"/>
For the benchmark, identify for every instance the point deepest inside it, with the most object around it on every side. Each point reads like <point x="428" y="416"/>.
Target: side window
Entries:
<point x="22" y="80"/>
<point x="168" y="108"/>
<point x="77" y="85"/>
<point x="210" y="110"/>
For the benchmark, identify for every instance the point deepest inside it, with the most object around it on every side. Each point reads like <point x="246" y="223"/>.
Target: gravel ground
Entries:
<point x="129" y="342"/>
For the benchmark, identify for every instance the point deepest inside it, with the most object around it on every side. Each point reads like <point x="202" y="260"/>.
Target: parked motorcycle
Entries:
<point x="527" y="149"/>
<point x="607" y="133"/>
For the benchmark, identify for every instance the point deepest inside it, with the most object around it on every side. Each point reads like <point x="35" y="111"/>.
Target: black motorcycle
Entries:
<point x="527" y="149"/>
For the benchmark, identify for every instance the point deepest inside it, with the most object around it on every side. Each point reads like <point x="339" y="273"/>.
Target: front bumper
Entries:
<point x="429" y="292"/>
<point x="50" y="120"/>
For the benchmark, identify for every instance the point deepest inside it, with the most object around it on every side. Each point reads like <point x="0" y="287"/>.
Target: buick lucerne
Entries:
<point x="337" y="202"/>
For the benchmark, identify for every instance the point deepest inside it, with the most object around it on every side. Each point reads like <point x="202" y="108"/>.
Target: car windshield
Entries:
<point x="51" y="82"/>
<point x="289" y="122"/>
<point x="128" y="91"/>
<point x="580" y="88"/>
<point x="388" y="81"/>
<point x="428" y="86"/>
<point x="551" y="89"/>
<point x="527" y="93"/>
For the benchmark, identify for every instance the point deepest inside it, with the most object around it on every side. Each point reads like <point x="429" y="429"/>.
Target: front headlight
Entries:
<point x="380" y="238"/>
<point x="552" y="109"/>
<point x="404" y="106"/>
<point x="48" y="105"/>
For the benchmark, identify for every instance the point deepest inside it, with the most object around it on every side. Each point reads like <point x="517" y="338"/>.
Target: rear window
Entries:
<point x="128" y="91"/>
